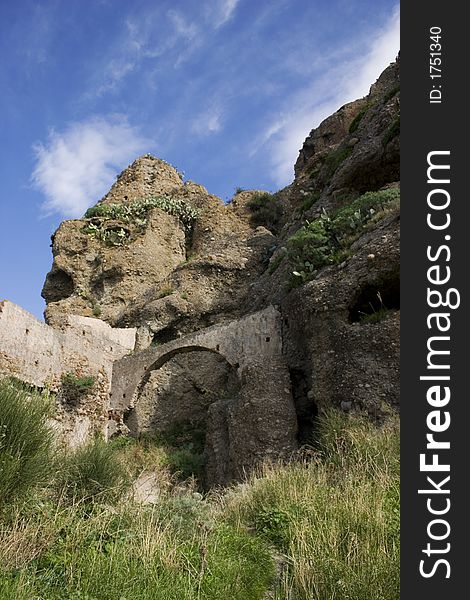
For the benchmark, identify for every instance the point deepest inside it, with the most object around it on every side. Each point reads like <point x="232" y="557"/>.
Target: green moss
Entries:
<point x="357" y="119"/>
<point x="392" y="131"/>
<point x="335" y="159"/>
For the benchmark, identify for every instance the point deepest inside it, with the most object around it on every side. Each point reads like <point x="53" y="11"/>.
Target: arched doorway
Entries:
<point x="173" y="399"/>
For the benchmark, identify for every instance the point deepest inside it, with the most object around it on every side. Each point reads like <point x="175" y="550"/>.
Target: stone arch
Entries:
<point x="161" y="360"/>
<point x="178" y="388"/>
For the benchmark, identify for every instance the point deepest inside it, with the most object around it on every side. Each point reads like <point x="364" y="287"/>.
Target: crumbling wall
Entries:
<point x="39" y="355"/>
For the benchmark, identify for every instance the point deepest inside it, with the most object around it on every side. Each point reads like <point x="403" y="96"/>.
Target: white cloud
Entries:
<point x="352" y="80"/>
<point x="207" y="122"/>
<point x="76" y="167"/>
<point x="221" y="11"/>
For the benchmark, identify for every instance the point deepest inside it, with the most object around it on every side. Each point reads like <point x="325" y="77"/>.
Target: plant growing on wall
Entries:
<point x="76" y="388"/>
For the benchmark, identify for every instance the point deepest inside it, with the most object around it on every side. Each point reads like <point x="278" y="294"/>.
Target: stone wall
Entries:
<point x="39" y="355"/>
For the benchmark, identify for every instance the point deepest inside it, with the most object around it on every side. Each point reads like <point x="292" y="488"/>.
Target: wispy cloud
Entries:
<point x="285" y="134"/>
<point x="76" y="167"/>
<point x="184" y="28"/>
<point x="208" y="122"/>
<point x="221" y="11"/>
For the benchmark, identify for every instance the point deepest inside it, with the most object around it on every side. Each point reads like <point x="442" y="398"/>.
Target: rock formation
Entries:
<point x="252" y="315"/>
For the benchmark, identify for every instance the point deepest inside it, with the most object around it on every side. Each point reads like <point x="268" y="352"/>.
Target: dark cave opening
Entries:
<point x="376" y="300"/>
<point x="305" y="408"/>
<point x="58" y="286"/>
<point x="165" y="335"/>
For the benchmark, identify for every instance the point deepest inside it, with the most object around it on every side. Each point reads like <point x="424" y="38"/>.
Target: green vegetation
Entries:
<point x="275" y="263"/>
<point x="376" y="315"/>
<point x="166" y="290"/>
<point x="309" y="201"/>
<point x="332" y="519"/>
<point x="91" y="472"/>
<point x="134" y="214"/>
<point x="392" y="131"/>
<point x="75" y="388"/>
<point x="266" y="210"/>
<point x="327" y="239"/>
<point x="25" y="441"/>
<point x="391" y="94"/>
<point x="184" y="450"/>
<point x="335" y="159"/>
<point x="357" y="119"/>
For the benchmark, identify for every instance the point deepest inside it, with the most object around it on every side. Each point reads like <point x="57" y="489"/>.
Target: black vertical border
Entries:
<point x="427" y="127"/>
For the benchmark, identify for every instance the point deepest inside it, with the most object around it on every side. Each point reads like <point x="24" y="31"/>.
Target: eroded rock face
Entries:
<point x="166" y="276"/>
<point x="147" y="176"/>
<point x="89" y="278"/>
<point x="358" y="147"/>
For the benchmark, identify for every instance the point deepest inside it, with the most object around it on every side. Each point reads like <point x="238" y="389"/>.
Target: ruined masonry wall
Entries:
<point x="39" y="354"/>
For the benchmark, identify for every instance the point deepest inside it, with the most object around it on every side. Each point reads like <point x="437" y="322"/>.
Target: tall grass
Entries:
<point x="25" y="441"/>
<point x="91" y="472"/>
<point x="328" y="519"/>
<point x="334" y="518"/>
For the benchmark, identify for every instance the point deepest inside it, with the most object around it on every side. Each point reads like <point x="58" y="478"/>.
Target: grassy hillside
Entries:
<point x="325" y="526"/>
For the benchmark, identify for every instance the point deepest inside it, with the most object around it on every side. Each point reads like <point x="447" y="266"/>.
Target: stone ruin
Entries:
<point x="228" y="381"/>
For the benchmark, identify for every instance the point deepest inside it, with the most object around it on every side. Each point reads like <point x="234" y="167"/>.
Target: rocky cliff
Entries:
<point x="170" y="259"/>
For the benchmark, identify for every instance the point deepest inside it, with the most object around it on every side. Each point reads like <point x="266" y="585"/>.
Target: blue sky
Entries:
<point x="225" y="90"/>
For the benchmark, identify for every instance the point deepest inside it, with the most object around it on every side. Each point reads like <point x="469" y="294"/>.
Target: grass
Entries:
<point x="335" y="518"/>
<point x="25" y="442"/>
<point x="330" y="518"/>
<point x="166" y="290"/>
<point x="377" y="315"/>
<point x="90" y="472"/>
